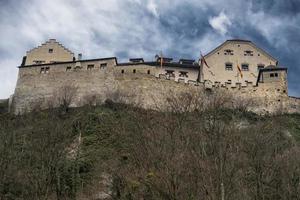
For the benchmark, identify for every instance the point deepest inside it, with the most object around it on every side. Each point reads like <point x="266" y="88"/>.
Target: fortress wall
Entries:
<point x="146" y="90"/>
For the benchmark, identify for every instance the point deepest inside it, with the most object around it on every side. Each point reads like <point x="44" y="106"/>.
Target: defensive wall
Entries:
<point x="145" y="84"/>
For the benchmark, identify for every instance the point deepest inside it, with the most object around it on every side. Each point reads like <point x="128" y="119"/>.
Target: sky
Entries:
<point x="143" y="28"/>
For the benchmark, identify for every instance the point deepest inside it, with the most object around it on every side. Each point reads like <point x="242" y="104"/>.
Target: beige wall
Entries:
<point x="216" y="60"/>
<point x="41" y="53"/>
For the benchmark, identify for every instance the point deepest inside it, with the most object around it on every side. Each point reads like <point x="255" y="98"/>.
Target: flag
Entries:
<point x="240" y="71"/>
<point x="204" y="61"/>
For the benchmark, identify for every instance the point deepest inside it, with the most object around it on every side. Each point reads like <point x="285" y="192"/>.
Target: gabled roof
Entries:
<point x="241" y="41"/>
<point x="51" y="41"/>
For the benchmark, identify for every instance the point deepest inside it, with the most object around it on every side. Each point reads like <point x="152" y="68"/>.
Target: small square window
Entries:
<point x="183" y="74"/>
<point x="271" y="75"/>
<point x="47" y="70"/>
<point x="245" y="67"/>
<point x="90" y="67"/>
<point x="148" y="72"/>
<point x="134" y="71"/>
<point x="228" y="66"/>
<point x="68" y="68"/>
<point x="276" y="74"/>
<point x="122" y="71"/>
<point x="103" y="65"/>
<point x="50" y="50"/>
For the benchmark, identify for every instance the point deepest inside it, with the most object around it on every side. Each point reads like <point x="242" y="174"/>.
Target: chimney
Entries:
<point x="79" y="56"/>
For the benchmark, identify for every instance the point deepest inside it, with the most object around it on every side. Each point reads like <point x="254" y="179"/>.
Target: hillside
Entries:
<point x="122" y="152"/>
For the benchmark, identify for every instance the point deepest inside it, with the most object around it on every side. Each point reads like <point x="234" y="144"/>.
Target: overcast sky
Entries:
<point x="142" y="28"/>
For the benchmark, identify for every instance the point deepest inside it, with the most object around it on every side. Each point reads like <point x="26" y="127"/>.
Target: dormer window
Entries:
<point x="228" y="52"/>
<point x="248" y="53"/>
<point x="245" y="67"/>
<point x="50" y="50"/>
<point x="228" y="67"/>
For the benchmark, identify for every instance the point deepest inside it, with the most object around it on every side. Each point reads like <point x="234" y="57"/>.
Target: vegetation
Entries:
<point x="190" y="151"/>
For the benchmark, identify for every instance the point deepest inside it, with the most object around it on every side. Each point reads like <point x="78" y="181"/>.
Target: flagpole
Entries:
<point x="238" y="75"/>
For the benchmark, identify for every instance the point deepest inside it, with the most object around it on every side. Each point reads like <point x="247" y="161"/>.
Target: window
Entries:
<point x="245" y="67"/>
<point x="260" y="66"/>
<point x="90" y="67"/>
<point x="103" y="65"/>
<point x="228" y="66"/>
<point x="148" y="72"/>
<point x="170" y="73"/>
<point x="47" y="70"/>
<point x="50" y="50"/>
<point x="228" y="52"/>
<point x="271" y="75"/>
<point x="122" y="71"/>
<point x="248" y="53"/>
<point x="276" y="74"/>
<point x="39" y="61"/>
<point x="134" y="71"/>
<point x="183" y="74"/>
<point x="42" y="70"/>
<point x="68" y="68"/>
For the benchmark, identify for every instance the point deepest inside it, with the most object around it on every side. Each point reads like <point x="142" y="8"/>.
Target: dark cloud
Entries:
<point x="277" y="7"/>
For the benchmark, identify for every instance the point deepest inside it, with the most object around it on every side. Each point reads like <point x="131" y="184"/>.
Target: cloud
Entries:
<point x="143" y="28"/>
<point x="220" y="23"/>
<point x="152" y="7"/>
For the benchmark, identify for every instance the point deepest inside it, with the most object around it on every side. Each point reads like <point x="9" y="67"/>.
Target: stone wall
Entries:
<point x="140" y="84"/>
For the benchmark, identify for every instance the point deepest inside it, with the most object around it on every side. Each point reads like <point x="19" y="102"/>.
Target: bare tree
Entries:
<point x="65" y="96"/>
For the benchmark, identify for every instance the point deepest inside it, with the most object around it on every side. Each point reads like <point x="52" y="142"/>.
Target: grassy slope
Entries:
<point x="32" y="142"/>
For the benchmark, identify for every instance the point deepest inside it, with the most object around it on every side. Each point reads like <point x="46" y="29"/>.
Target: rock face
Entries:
<point x="142" y="84"/>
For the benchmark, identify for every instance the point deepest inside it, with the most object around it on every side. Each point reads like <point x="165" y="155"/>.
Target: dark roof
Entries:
<point x="165" y="59"/>
<point x="238" y="40"/>
<point x="136" y="59"/>
<point x="186" y="61"/>
<point x="171" y="64"/>
<point x="66" y="62"/>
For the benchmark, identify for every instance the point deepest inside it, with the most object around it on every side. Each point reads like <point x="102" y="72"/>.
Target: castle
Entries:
<point x="236" y="66"/>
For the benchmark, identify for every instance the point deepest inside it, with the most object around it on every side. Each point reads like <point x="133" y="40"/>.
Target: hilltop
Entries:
<point x="120" y="151"/>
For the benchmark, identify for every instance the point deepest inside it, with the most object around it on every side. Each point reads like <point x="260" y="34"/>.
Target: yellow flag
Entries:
<point x="240" y="71"/>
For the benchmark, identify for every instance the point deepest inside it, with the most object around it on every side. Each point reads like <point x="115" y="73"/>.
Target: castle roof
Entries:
<point x="165" y="64"/>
